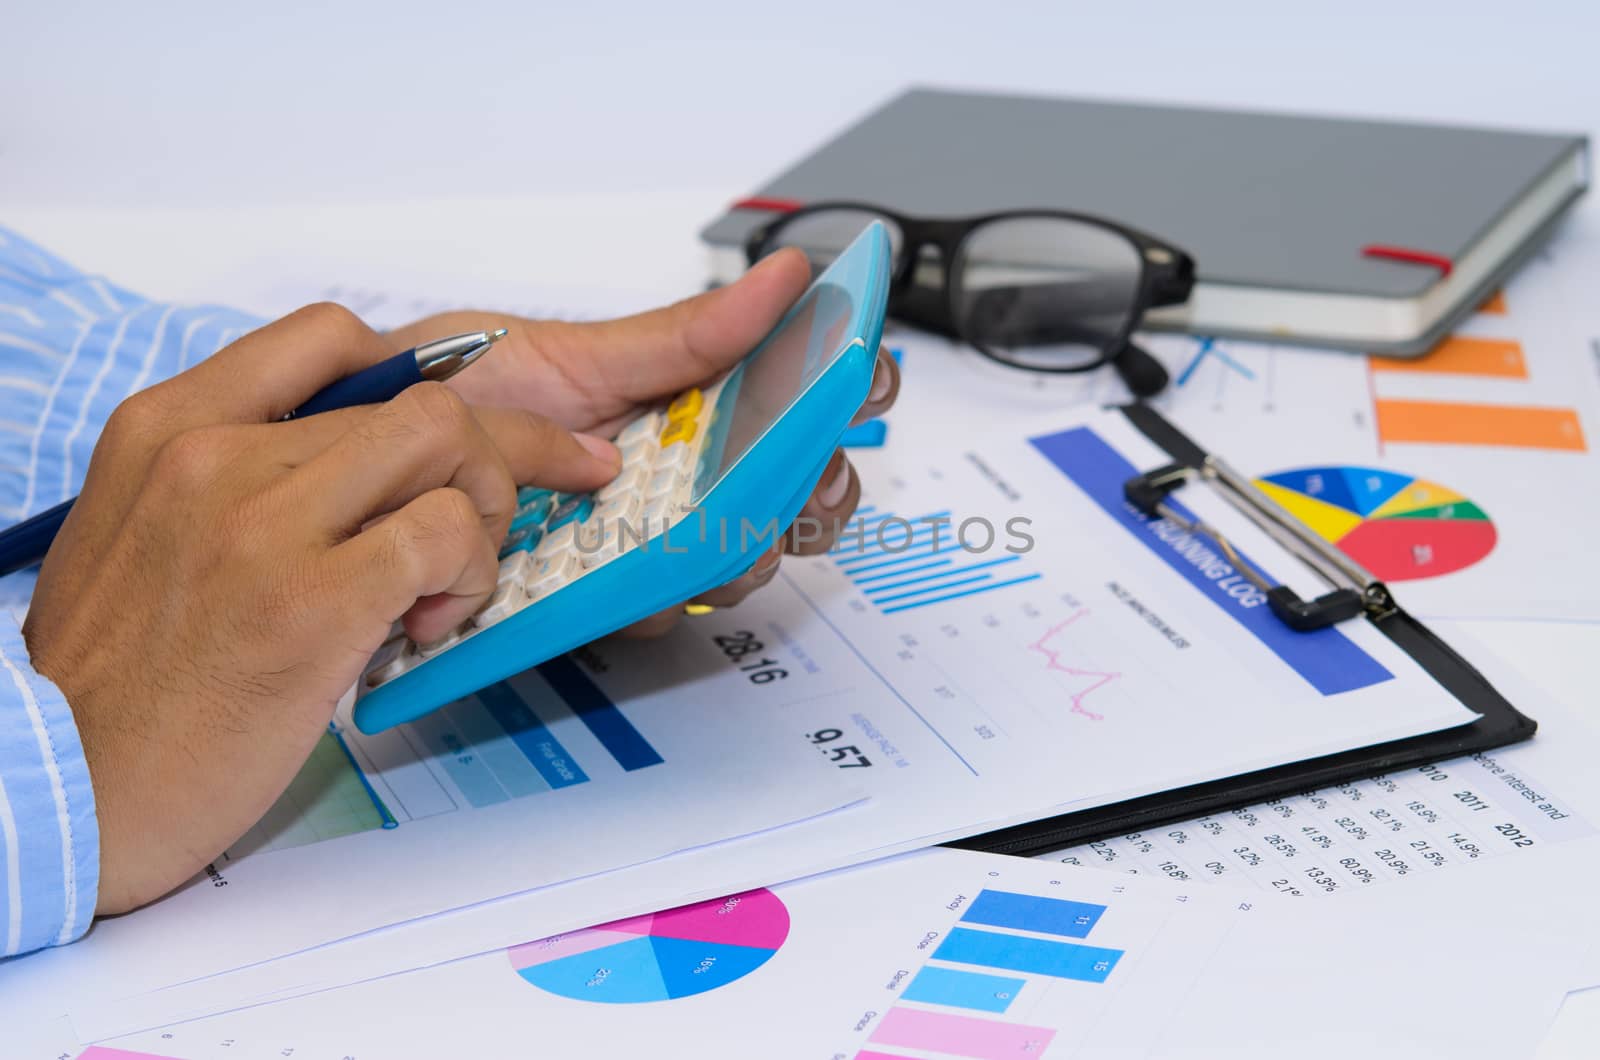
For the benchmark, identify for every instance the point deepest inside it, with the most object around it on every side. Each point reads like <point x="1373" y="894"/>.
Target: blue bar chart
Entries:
<point x="493" y="747"/>
<point x="959" y="989"/>
<point x="976" y="974"/>
<point x="1020" y="953"/>
<point x="1028" y="912"/>
<point x="598" y="714"/>
<point x="496" y="745"/>
<point x="901" y="564"/>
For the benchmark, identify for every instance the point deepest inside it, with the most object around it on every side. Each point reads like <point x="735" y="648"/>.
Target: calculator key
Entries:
<point x="529" y="494"/>
<point x="645" y="428"/>
<point x="673" y="456"/>
<point x="678" y="431"/>
<point x="613" y="543"/>
<point x="665" y="484"/>
<point x="641" y="452"/>
<point x="657" y="515"/>
<point x="389" y="662"/>
<point x="558" y="565"/>
<point x="524" y="521"/>
<point x="630" y="480"/>
<point x="533" y="513"/>
<point x="506" y="601"/>
<point x="557" y="541"/>
<point x="574" y="508"/>
<point x="550" y="574"/>
<point x="662" y="485"/>
<point x="515" y="567"/>
<point x="687" y="405"/>
<point x="524" y="540"/>
<point x="623" y="509"/>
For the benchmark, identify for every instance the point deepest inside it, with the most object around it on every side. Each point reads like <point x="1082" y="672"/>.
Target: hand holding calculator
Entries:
<point x="707" y="483"/>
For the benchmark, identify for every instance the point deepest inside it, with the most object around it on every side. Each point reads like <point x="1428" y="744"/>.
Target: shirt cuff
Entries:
<point x="49" y="836"/>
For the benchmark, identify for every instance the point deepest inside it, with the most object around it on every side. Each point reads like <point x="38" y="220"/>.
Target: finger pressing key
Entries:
<point x="424" y="439"/>
<point x="429" y="562"/>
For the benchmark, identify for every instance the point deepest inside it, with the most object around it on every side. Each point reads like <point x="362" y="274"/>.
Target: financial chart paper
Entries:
<point x="941" y="953"/>
<point x="919" y="687"/>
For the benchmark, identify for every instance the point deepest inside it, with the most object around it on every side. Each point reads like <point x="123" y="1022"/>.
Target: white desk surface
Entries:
<point x="174" y="146"/>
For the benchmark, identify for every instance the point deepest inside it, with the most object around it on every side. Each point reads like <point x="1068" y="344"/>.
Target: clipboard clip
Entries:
<point x="1354" y="592"/>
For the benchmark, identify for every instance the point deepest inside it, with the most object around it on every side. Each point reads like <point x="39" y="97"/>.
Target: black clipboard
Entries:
<point x="1499" y="723"/>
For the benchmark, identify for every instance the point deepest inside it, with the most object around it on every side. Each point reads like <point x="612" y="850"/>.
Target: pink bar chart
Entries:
<point x="954" y="1035"/>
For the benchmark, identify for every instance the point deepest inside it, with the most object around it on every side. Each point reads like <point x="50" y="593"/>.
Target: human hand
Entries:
<point x="594" y="377"/>
<point x="224" y="578"/>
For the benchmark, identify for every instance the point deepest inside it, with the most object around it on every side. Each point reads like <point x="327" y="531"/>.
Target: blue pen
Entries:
<point x="25" y="544"/>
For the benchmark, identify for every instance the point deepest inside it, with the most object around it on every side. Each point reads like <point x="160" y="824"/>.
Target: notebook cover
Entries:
<point x="1260" y="200"/>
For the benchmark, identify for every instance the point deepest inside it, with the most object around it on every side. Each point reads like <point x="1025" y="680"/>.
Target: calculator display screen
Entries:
<point x="763" y="387"/>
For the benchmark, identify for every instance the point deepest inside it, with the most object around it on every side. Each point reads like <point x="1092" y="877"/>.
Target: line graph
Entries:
<point x="1096" y="679"/>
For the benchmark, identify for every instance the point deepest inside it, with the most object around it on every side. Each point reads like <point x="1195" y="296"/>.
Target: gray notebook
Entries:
<point x="1276" y="209"/>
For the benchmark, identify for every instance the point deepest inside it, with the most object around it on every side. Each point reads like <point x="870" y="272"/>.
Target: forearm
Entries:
<point x="72" y="347"/>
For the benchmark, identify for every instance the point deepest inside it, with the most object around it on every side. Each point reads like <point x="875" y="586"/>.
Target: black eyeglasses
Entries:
<point x="1036" y="289"/>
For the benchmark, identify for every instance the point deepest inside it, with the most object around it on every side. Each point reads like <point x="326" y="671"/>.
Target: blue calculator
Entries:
<point x="706" y="481"/>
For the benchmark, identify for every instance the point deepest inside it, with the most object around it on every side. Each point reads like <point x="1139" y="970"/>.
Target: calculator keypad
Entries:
<point x="554" y="538"/>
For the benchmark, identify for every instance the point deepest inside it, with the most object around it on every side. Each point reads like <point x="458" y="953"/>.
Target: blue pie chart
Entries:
<point x="659" y="957"/>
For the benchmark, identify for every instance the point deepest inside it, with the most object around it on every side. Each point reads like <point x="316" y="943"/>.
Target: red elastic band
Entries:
<point x="1409" y="256"/>
<point x="757" y="202"/>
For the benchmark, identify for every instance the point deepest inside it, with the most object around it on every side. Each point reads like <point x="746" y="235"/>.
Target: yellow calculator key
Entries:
<point x="678" y="431"/>
<point x="686" y="406"/>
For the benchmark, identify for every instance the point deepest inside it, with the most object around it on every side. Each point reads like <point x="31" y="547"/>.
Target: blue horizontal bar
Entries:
<point x="964" y="592"/>
<point x="537" y="743"/>
<point x="439" y="735"/>
<point x="601" y="716"/>
<point x="958" y="989"/>
<point x="946" y="574"/>
<point x="489" y="746"/>
<point x="880" y="538"/>
<point x="908" y="570"/>
<point x="898" y="548"/>
<point x="1029" y="912"/>
<point x="865" y="539"/>
<point x="933" y="589"/>
<point x="920" y="552"/>
<point x="857" y="526"/>
<point x="863" y="522"/>
<point x="1017" y="953"/>
<point x="921" y="521"/>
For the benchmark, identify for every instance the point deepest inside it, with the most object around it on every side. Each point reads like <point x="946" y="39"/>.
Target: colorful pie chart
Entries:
<point x="1400" y="528"/>
<point x="678" y="953"/>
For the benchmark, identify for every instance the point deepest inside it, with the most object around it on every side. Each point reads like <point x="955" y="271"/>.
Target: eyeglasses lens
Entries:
<point x="824" y="234"/>
<point x="1046" y="293"/>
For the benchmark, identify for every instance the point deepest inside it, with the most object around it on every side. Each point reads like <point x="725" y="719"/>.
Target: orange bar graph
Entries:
<point x="1455" y="423"/>
<point x="1463" y="355"/>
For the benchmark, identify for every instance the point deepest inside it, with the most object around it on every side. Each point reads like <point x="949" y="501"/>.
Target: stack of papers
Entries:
<point x="1070" y="660"/>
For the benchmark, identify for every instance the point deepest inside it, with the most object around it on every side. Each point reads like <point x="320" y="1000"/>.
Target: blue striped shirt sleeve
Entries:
<point x="49" y="841"/>
<point x="72" y="346"/>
